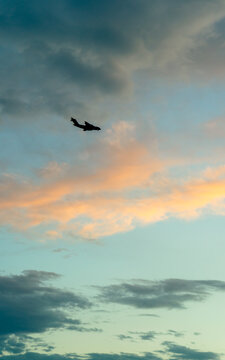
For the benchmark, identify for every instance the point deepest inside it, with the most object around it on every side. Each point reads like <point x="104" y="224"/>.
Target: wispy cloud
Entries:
<point x="186" y="353"/>
<point x="171" y="349"/>
<point x="147" y="335"/>
<point x="170" y="293"/>
<point x="92" y="356"/>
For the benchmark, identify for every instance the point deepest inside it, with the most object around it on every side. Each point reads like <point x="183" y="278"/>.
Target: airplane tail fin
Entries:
<point x="74" y="121"/>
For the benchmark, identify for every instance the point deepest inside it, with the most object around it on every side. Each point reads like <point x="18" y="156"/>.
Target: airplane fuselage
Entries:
<point x="86" y="127"/>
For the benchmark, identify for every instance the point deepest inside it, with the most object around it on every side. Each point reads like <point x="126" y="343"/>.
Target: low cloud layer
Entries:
<point x="171" y="351"/>
<point x="170" y="293"/>
<point x="29" y="306"/>
<point x="94" y="356"/>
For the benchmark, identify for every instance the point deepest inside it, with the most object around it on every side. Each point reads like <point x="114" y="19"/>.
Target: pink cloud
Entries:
<point x="117" y="190"/>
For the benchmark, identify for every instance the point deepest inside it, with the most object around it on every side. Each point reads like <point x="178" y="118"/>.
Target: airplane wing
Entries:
<point x="75" y="122"/>
<point x="87" y="123"/>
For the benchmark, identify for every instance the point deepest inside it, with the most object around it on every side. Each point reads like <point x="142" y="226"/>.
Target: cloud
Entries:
<point x="63" y="57"/>
<point x="175" y="333"/>
<point x="169" y="293"/>
<point x="143" y="335"/>
<point x="92" y="356"/>
<point x="112" y="186"/>
<point x="150" y="315"/>
<point x="174" y="350"/>
<point x="186" y="353"/>
<point x="125" y="337"/>
<point x="29" y="305"/>
<point x="52" y="50"/>
<point x="12" y="344"/>
<point x="16" y="344"/>
<point x="149" y="335"/>
<point x="215" y="129"/>
<point x="127" y="356"/>
<point x="71" y="195"/>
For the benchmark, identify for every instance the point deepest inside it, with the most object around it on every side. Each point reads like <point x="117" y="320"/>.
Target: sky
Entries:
<point x="112" y="241"/>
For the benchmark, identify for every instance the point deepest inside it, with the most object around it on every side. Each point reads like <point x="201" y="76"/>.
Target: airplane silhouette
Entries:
<point x="86" y="127"/>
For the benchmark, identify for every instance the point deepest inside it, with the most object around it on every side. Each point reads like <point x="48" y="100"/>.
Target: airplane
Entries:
<point x="86" y="127"/>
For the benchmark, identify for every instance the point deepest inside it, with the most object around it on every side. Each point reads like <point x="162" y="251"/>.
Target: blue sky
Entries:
<point x="112" y="242"/>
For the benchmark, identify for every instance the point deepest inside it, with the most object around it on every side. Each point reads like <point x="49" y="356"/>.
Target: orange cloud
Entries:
<point x="116" y="191"/>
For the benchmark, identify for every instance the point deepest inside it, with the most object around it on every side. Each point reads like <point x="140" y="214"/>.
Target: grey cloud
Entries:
<point x="67" y="253"/>
<point x="14" y="344"/>
<point x="93" y="356"/>
<point x="175" y="333"/>
<point x="173" y="350"/>
<point x="149" y="315"/>
<point x="73" y="69"/>
<point x="179" y="352"/>
<point x="169" y="293"/>
<point x="50" y="50"/>
<point x="149" y="335"/>
<point x="125" y="337"/>
<point x="122" y="356"/>
<point x="29" y="305"/>
<point x="59" y="250"/>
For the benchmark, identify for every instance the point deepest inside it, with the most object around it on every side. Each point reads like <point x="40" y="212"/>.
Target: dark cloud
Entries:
<point x="170" y="293"/>
<point x="179" y="352"/>
<point x="29" y="305"/>
<point x="74" y="70"/>
<point x="172" y="350"/>
<point x="14" y="344"/>
<point x="55" y="54"/>
<point x="92" y="356"/>
<point x="123" y="356"/>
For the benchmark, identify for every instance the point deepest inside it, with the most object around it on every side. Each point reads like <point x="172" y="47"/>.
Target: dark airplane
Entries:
<point x="86" y="127"/>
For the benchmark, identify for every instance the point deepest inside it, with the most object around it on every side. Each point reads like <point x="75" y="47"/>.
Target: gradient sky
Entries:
<point x="112" y="242"/>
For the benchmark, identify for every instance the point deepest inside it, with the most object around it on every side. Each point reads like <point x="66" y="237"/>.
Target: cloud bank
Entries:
<point x="173" y="350"/>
